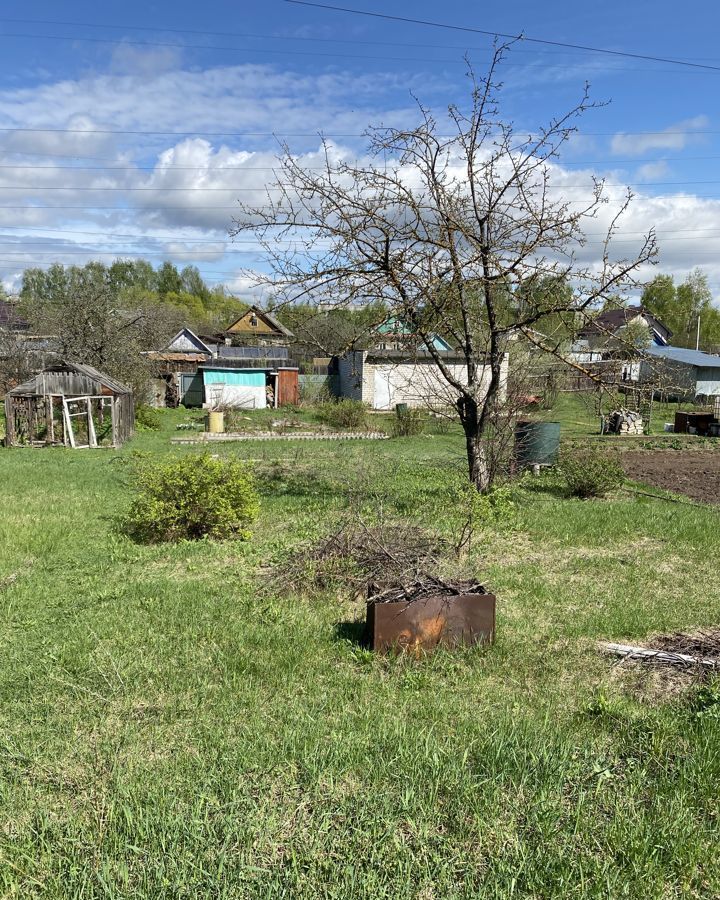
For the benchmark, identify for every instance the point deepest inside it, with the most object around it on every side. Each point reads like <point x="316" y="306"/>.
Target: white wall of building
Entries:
<point x="235" y="396"/>
<point x="383" y="383"/>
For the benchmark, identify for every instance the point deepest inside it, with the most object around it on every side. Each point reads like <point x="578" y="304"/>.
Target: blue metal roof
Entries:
<point x="684" y="355"/>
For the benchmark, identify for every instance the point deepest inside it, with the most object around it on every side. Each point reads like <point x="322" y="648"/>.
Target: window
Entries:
<point x="253" y="321"/>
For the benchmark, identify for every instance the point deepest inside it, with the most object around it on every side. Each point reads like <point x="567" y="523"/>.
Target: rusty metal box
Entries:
<point x="423" y="624"/>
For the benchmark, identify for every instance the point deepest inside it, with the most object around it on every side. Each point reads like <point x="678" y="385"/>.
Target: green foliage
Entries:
<point x="679" y="308"/>
<point x="148" y="418"/>
<point x="351" y="414"/>
<point x="706" y="702"/>
<point x="190" y="498"/>
<point x="589" y="472"/>
<point x="64" y="300"/>
<point x="494" y="507"/>
<point x="409" y="423"/>
<point x="332" y="332"/>
<point x="492" y="510"/>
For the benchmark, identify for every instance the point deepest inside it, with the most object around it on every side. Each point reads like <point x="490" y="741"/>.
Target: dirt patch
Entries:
<point x="695" y="473"/>
<point x="700" y="643"/>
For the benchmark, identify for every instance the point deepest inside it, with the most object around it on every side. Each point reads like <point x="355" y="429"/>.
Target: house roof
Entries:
<point x="175" y="356"/>
<point x="397" y="328"/>
<point x="35" y="385"/>
<point x="267" y="317"/>
<point x="413" y="355"/>
<point x="188" y="338"/>
<point x="611" y="320"/>
<point x="686" y="356"/>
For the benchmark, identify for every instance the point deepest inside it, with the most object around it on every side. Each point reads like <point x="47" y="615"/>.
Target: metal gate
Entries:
<point x="192" y="391"/>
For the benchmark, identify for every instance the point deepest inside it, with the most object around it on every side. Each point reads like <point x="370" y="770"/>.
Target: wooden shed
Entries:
<point x="71" y="405"/>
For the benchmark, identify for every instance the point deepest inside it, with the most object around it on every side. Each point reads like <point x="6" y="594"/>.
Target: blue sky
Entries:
<point x="137" y="141"/>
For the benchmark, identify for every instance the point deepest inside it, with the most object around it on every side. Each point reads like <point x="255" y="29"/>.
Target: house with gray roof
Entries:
<point x="682" y="372"/>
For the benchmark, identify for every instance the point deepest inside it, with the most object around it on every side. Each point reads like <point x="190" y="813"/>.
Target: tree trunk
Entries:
<point x="472" y="424"/>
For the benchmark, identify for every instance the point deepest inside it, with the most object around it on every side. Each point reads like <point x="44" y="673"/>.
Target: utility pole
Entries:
<point x="697" y="339"/>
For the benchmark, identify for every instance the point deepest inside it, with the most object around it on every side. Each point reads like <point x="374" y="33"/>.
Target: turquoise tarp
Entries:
<point x="239" y="379"/>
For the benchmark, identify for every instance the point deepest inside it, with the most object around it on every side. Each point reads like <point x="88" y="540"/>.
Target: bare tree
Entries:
<point x="444" y="225"/>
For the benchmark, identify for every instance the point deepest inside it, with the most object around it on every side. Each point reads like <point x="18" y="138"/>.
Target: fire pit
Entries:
<point x="425" y="616"/>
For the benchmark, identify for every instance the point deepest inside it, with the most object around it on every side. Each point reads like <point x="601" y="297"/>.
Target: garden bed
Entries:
<point x="693" y="473"/>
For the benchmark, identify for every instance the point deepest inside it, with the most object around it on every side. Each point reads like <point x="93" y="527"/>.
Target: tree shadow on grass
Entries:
<point x="556" y="490"/>
<point x="299" y="485"/>
<point x="353" y="632"/>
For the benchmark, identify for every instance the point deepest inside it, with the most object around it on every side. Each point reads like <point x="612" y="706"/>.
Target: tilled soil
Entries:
<point x="695" y="473"/>
<point x="700" y="643"/>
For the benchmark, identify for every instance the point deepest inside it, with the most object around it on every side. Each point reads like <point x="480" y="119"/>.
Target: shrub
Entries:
<point x="345" y="414"/>
<point x="494" y="510"/>
<point x="589" y="472"/>
<point x="408" y="423"/>
<point x="148" y="418"/>
<point x="190" y="498"/>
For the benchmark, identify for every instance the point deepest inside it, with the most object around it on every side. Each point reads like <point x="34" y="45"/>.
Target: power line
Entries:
<point x="608" y="161"/>
<point x="278" y="37"/>
<point x="694" y="67"/>
<point x="226" y="237"/>
<point x="203" y="272"/>
<point x="263" y="188"/>
<point x="215" y="48"/>
<point x="254" y="35"/>
<point x="159" y="167"/>
<point x="195" y="207"/>
<point x="227" y="241"/>
<point x="314" y="134"/>
<point x="513" y="37"/>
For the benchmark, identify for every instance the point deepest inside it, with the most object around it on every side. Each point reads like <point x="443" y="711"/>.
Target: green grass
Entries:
<point x="171" y="728"/>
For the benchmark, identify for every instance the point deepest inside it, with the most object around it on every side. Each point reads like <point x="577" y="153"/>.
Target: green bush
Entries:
<point x="345" y="414"/>
<point x="190" y="498"/>
<point x="147" y="418"/>
<point x="589" y="472"/>
<point x="409" y="423"/>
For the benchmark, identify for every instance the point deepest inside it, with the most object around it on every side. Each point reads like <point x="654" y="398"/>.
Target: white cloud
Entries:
<point x="652" y="170"/>
<point x="185" y="252"/>
<point x="674" y="137"/>
<point x="129" y="60"/>
<point x="178" y="195"/>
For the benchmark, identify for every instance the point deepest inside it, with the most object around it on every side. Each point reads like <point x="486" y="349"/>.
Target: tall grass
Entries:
<point x="172" y="728"/>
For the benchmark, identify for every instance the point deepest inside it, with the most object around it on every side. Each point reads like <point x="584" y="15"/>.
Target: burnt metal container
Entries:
<point x="448" y="620"/>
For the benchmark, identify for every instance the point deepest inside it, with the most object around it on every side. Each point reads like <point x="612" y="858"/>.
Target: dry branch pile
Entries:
<point x="369" y="558"/>
<point x="428" y="586"/>
<point x="699" y="651"/>
<point x="699" y="643"/>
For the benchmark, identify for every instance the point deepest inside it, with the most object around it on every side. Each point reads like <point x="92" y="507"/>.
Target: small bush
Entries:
<point x="589" y="472"/>
<point x="345" y="414"/>
<point x="148" y="418"/>
<point x="409" y="423"/>
<point x="192" y="498"/>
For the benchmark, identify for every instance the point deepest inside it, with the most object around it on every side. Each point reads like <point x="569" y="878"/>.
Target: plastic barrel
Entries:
<point x="215" y="424"/>
<point x="401" y="409"/>
<point x="536" y="443"/>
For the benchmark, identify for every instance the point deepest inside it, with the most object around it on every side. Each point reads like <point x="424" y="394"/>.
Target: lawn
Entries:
<point x="174" y="727"/>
